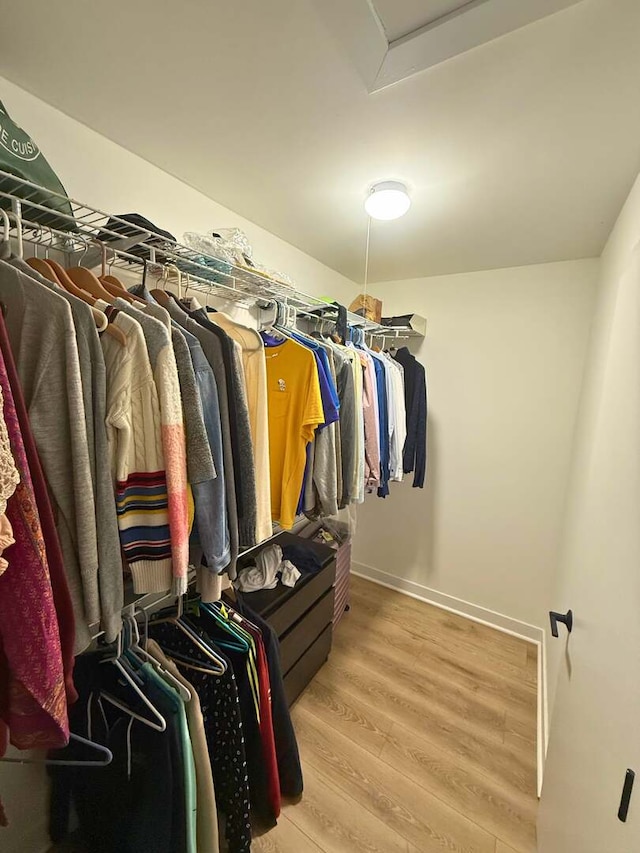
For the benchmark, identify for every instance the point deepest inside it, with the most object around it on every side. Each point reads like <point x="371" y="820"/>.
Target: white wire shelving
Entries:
<point x="47" y="218"/>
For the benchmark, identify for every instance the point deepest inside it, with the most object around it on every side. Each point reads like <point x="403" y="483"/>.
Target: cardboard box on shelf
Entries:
<point x="368" y="307"/>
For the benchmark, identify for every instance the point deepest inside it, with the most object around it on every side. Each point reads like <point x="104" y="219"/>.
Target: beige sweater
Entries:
<point x="136" y="457"/>
<point x="255" y="375"/>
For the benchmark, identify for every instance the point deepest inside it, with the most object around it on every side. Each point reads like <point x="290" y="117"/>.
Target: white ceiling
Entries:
<point x="520" y="151"/>
<point x="401" y="18"/>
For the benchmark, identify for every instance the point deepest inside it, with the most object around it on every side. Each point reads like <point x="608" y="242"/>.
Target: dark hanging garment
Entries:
<point x="381" y="382"/>
<point x="220" y="707"/>
<point x="248" y="696"/>
<point x="414" y="456"/>
<point x="133" y="803"/>
<point x="288" y="756"/>
<point x="266" y="715"/>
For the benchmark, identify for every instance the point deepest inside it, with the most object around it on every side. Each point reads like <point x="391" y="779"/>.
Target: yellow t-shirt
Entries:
<point x="295" y="410"/>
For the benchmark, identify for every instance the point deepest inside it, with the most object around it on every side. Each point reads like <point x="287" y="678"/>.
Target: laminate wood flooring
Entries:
<point x="417" y="736"/>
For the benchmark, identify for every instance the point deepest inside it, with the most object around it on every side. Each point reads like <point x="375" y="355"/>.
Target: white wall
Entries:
<point x="100" y="173"/>
<point x="504" y="354"/>
<point x="586" y="518"/>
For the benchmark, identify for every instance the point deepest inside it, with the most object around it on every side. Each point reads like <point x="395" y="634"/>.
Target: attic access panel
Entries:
<point x="370" y="31"/>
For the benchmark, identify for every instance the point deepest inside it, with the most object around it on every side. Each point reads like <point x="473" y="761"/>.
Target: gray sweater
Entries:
<point x="347" y="423"/>
<point x="43" y="340"/>
<point x="241" y="443"/>
<point x="94" y="393"/>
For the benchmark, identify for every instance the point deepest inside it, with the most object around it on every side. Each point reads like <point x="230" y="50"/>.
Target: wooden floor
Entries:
<point x="418" y="735"/>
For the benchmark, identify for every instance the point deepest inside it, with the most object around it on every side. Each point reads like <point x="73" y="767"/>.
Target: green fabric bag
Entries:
<point x="20" y="156"/>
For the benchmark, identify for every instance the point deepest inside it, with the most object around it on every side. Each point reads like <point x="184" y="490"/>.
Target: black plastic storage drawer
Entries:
<point x="302" y="615"/>
<point x="303" y="671"/>
<point x="297" y="640"/>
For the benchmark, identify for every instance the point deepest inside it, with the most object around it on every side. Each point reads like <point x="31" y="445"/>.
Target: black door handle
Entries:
<point x="565" y="618"/>
<point x="623" y="811"/>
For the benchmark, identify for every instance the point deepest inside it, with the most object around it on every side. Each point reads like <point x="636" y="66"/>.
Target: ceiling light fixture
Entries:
<point x="387" y="200"/>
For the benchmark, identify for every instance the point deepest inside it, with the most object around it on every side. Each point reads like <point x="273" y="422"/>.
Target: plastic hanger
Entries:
<point x="158" y="724"/>
<point x="273" y="329"/>
<point x="198" y="666"/>
<point x="141" y="651"/>
<point x="61" y="762"/>
<point x="5" y="243"/>
<point x="181" y="689"/>
<point x="240" y="643"/>
<point x="176" y="620"/>
<point x="200" y="640"/>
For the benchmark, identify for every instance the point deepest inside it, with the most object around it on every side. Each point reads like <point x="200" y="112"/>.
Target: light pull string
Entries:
<point x="366" y="256"/>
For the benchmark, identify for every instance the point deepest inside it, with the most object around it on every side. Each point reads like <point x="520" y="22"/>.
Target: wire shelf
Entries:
<point x="70" y="226"/>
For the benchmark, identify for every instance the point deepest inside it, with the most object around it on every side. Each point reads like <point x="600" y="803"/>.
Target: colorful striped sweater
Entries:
<point x="165" y="372"/>
<point x="137" y="459"/>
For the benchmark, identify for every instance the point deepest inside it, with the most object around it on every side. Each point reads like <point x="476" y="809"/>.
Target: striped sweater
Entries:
<point x="137" y="458"/>
<point x="165" y="372"/>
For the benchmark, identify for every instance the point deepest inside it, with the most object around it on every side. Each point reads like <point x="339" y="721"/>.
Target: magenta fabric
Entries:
<point x="59" y="585"/>
<point x="33" y="703"/>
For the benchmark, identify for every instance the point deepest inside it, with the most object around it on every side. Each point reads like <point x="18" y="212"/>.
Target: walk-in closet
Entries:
<point x="319" y="419"/>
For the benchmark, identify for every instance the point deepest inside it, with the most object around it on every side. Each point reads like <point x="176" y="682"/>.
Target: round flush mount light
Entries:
<point x="387" y="200"/>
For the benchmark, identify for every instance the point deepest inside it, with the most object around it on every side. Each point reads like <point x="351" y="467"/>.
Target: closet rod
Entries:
<point x="152" y="599"/>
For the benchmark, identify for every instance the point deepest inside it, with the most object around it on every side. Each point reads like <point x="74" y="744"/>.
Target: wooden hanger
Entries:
<point x="68" y="283"/>
<point x="90" y="283"/>
<point x="111" y="279"/>
<point x="117" y="288"/>
<point x="71" y="287"/>
<point x="46" y="271"/>
<point x="162" y="297"/>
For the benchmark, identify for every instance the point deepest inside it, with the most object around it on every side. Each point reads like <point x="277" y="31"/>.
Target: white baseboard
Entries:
<point x="476" y="613"/>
